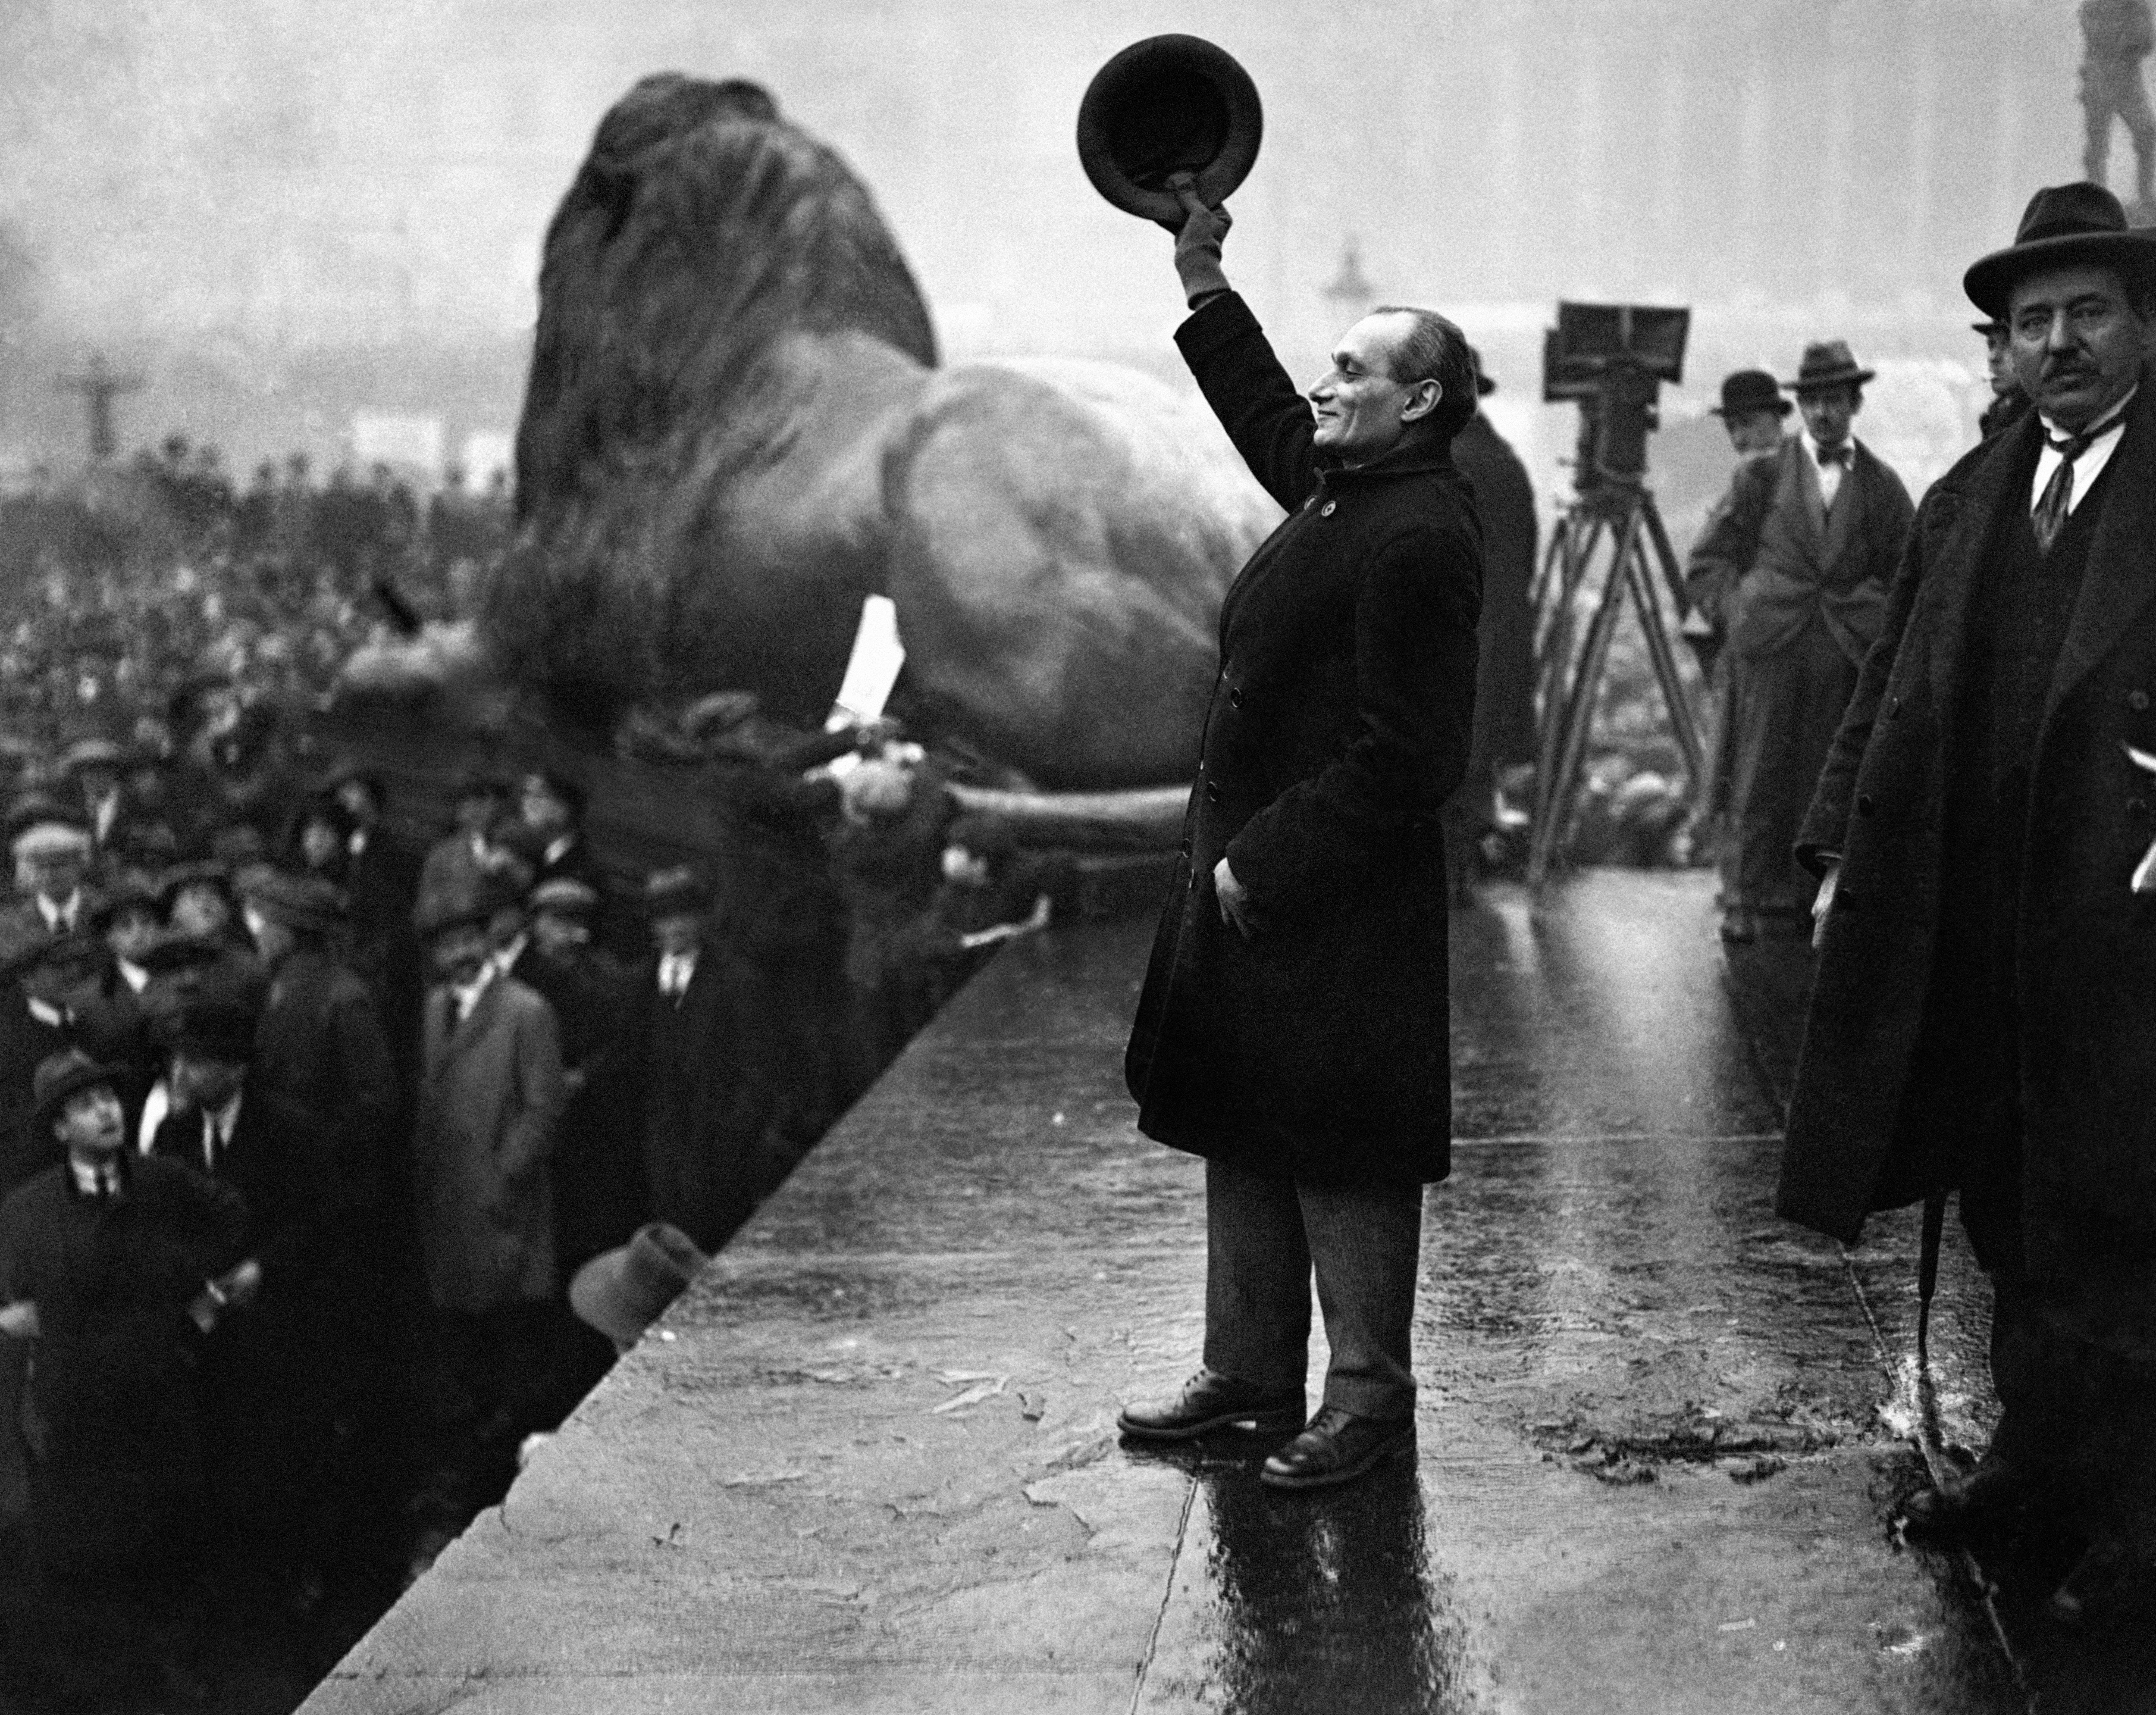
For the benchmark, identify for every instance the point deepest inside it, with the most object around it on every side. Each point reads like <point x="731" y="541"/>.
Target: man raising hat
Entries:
<point x="1793" y="569"/>
<point x="1988" y="934"/>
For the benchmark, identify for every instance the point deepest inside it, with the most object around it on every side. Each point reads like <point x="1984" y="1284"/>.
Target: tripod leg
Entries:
<point x="1663" y="657"/>
<point x="1578" y="538"/>
<point x="1571" y="733"/>
<point x="1664" y="553"/>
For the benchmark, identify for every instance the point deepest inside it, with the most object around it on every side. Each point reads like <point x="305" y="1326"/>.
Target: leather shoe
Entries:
<point x="1208" y="1402"/>
<point x="1993" y="1495"/>
<point x="1337" y="1447"/>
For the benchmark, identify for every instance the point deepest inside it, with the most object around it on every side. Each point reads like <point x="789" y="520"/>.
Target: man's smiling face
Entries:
<point x="1361" y="411"/>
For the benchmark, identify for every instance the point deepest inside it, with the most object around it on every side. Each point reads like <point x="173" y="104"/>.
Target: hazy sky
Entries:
<point x="229" y="178"/>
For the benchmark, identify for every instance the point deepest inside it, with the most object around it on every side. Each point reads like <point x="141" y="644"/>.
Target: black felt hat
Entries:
<point x="65" y="1074"/>
<point x="1745" y="391"/>
<point x="2064" y="225"/>
<point x="1169" y="105"/>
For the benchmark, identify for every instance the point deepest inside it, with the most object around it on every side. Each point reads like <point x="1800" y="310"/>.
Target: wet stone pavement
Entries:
<point x="868" y="1462"/>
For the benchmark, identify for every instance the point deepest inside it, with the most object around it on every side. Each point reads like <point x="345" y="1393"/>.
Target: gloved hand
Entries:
<point x="1198" y="245"/>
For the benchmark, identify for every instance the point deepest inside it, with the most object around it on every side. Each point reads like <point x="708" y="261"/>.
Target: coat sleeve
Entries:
<point x="1263" y="411"/>
<point x="540" y="1093"/>
<point x="1824" y="832"/>
<point x="292" y="1225"/>
<point x="1892" y="515"/>
<point x="1729" y="541"/>
<point x="368" y="1079"/>
<point x="1415" y="650"/>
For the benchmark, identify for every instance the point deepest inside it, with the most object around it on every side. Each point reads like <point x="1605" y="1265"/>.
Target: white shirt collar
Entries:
<point x="466" y="995"/>
<point x="2090" y="465"/>
<point x="61" y="912"/>
<point x="132" y="974"/>
<point x="95" y="1179"/>
<point x="558" y="847"/>
<point x="224" y="1119"/>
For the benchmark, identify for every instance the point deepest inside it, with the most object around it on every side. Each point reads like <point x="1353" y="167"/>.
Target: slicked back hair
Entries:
<point x="1434" y="349"/>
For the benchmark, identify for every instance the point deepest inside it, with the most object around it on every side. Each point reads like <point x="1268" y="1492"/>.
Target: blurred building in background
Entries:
<point x="285" y="214"/>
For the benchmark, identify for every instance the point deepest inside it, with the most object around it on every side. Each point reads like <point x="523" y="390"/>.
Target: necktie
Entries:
<point x="1835" y="456"/>
<point x="2050" y="517"/>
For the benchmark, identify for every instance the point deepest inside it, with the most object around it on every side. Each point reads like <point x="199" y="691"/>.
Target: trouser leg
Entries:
<point x="1257" y="1278"/>
<point x="1366" y="1242"/>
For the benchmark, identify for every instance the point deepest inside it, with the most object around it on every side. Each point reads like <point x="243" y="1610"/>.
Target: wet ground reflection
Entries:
<point x="1288" y="1603"/>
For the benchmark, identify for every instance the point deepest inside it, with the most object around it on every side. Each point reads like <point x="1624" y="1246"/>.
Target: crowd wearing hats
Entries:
<point x="422" y="1091"/>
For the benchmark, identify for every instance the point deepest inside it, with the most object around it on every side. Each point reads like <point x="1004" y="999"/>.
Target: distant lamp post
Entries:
<point x="1349" y="286"/>
<point x="99" y="387"/>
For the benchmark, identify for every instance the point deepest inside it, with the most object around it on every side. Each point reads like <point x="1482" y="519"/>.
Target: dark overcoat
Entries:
<point x="112" y="1423"/>
<point x="1869" y="1076"/>
<point x="699" y="1117"/>
<point x="264" y="1411"/>
<point x="1340" y="723"/>
<point x="1505" y="676"/>
<point x="320" y="1044"/>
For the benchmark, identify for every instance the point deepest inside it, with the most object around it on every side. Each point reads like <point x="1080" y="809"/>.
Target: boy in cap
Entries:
<point x="1794" y="569"/>
<point x="113" y="1265"/>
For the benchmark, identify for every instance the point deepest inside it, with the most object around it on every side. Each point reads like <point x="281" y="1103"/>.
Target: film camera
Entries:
<point x="1611" y="360"/>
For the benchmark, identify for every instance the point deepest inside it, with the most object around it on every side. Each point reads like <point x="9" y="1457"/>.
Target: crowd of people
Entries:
<point x="335" y="1162"/>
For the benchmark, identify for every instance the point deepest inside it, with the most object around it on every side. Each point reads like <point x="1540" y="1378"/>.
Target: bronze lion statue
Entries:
<point x="736" y="428"/>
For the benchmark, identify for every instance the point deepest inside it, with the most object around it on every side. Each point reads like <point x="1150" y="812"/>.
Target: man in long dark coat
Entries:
<point x="265" y="1415"/>
<point x="104" y="1258"/>
<point x="679" y="1058"/>
<point x="1793" y="569"/>
<point x="1987" y="985"/>
<point x="1504" y="673"/>
<point x="1292" y="1029"/>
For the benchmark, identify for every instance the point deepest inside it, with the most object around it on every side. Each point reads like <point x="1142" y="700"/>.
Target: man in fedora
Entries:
<point x="490" y="1106"/>
<point x="681" y="1051"/>
<point x="1293" y="1026"/>
<point x="1753" y="411"/>
<point x="1981" y="1017"/>
<point x="1792" y="569"/>
<point x="112" y="1266"/>
<point x="265" y="1412"/>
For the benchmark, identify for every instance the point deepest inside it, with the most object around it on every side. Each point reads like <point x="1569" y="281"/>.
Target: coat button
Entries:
<point x="1212" y="792"/>
<point x="2137" y="808"/>
<point x="1893" y="707"/>
<point x="2138" y="701"/>
<point x="1234" y="699"/>
<point x="1185" y="848"/>
<point x="1864" y="804"/>
<point x="1327" y="509"/>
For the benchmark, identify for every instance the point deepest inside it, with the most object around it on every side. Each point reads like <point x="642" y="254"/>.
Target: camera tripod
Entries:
<point x="1611" y="532"/>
